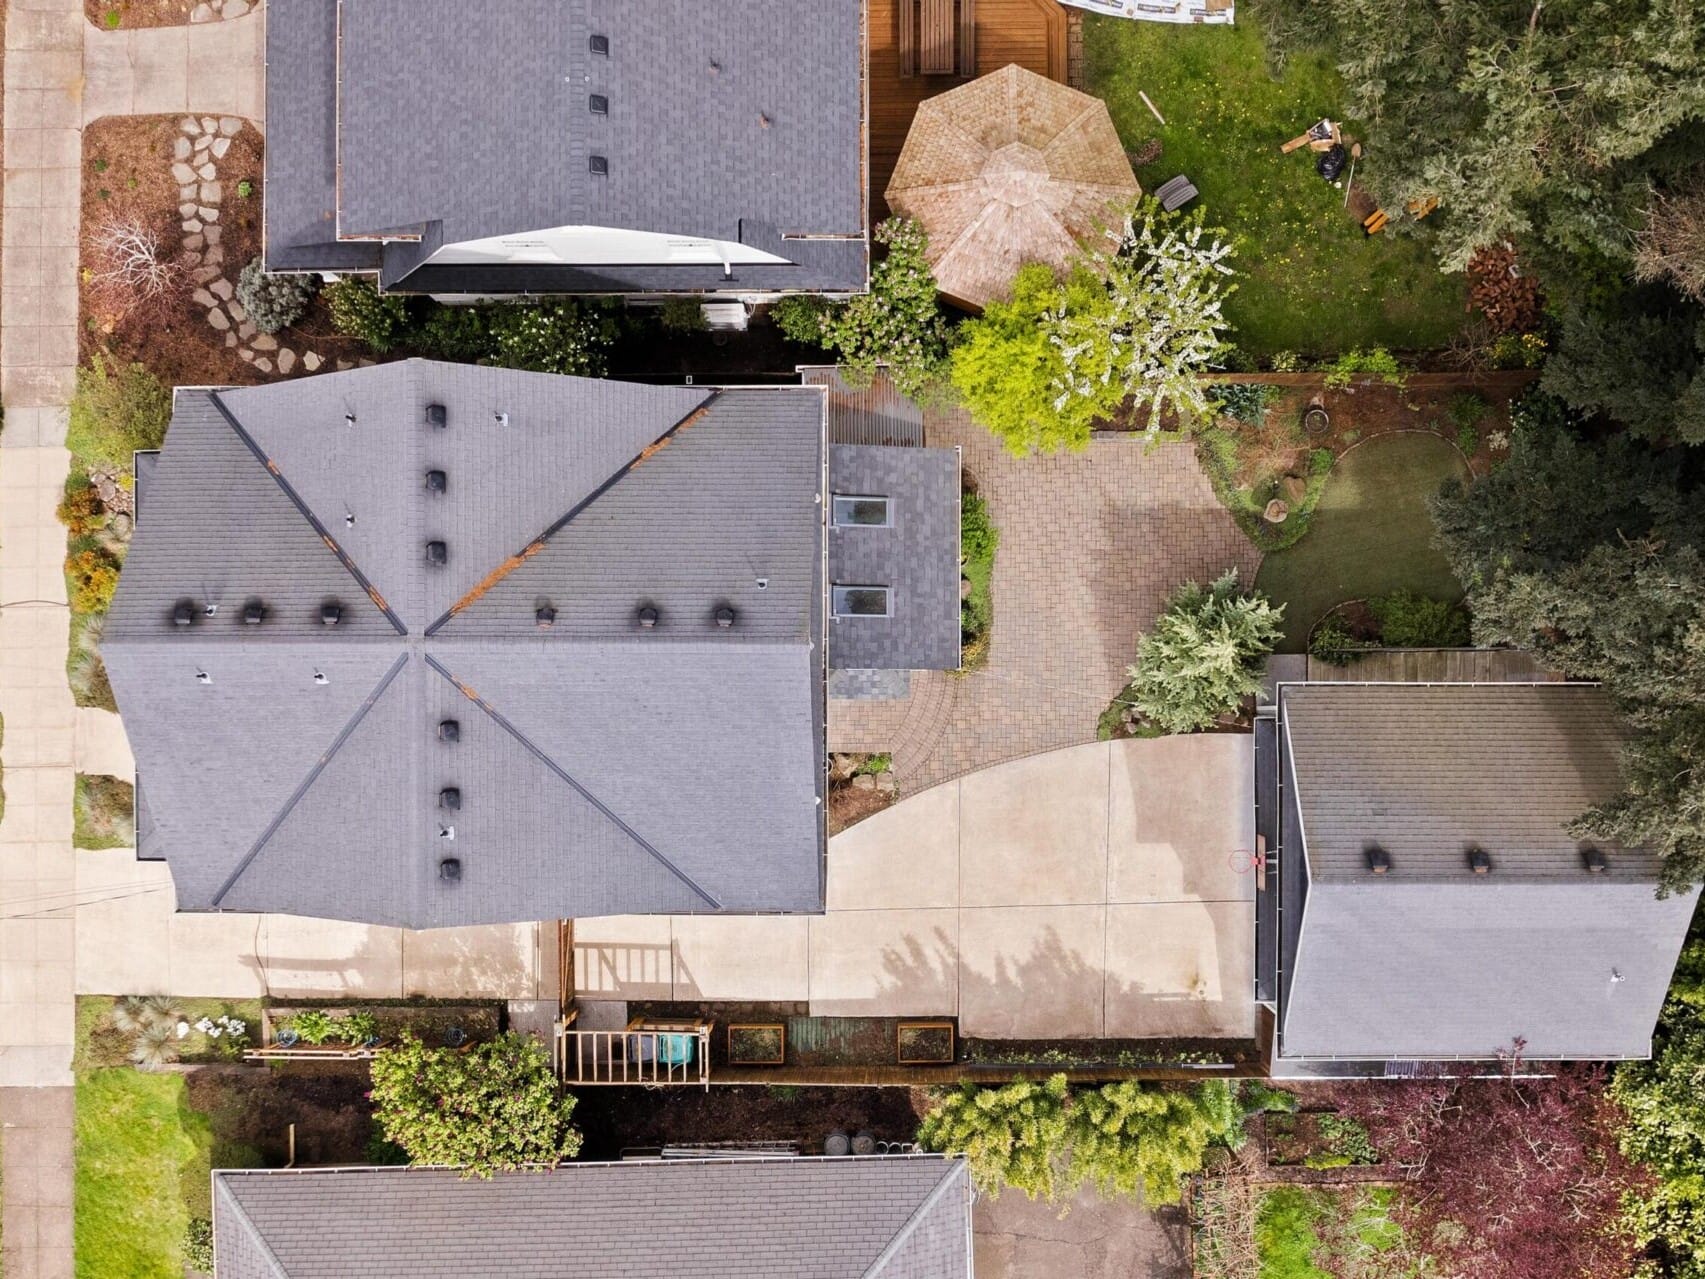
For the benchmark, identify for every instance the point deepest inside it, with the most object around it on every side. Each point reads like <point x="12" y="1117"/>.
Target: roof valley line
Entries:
<point x="628" y="711"/>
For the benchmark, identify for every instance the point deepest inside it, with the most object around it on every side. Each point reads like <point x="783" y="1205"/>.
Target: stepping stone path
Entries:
<point x="196" y="153"/>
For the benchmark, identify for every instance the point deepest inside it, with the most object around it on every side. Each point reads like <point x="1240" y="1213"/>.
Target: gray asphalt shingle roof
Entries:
<point x="603" y="768"/>
<point x="905" y="1217"/>
<point x="1430" y="959"/>
<point x="740" y="122"/>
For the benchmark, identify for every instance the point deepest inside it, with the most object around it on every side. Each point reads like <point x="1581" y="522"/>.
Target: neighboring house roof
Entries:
<point x="1430" y="959"/>
<point x="888" y="1217"/>
<point x="915" y="556"/>
<point x="602" y="767"/>
<point x="738" y="122"/>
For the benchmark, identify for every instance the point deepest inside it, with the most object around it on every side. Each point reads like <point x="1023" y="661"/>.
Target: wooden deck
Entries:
<point x="1031" y="33"/>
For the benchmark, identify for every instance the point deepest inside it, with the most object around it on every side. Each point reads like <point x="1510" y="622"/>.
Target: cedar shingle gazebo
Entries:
<point x="1009" y="169"/>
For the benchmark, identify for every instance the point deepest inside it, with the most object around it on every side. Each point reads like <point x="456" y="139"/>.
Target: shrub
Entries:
<point x="1244" y="402"/>
<point x="361" y="311"/>
<point x="1204" y="655"/>
<point x="683" y="315"/>
<point x="274" y="302"/>
<point x="898" y="324"/>
<point x="80" y="510"/>
<point x="91" y="575"/>
<point x="1408" y="620"/>
<point x="1375" y="365"/>
<point x="1333" y="641"/>
<point x="1126" y="1136"/>
<point x="116" y="410"/>
<point x="460" y="333"/>
<point x="1013" y="1136"/>
<point x="1467" y="408"/>
<point x="491" y="1107"/>
<point x="800" y="318"/>
<point x="549" y="337"/>
<point x="133" y="269"/>
<point x="198" y="1245"/>
<point x="978" y="536"/>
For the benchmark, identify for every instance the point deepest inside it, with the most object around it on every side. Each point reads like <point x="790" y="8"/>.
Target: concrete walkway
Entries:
<point x="212" y="68"/>
<point x="1101" y="891"/>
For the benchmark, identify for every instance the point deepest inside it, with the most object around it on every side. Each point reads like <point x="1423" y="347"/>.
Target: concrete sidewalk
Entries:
<point x="1102" y="891"/>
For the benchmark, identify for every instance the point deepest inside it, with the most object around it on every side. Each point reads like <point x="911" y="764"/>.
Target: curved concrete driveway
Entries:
<point x="1092" y="892"/>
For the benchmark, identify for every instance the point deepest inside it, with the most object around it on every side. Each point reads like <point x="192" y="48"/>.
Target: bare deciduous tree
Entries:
<point x="132" y="269"/>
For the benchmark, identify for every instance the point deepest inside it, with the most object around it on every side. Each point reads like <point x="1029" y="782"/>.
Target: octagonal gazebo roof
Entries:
<point x="1008" y="169"/>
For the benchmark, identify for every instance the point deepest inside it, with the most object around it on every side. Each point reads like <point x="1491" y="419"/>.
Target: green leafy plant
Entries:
<point x="274" y="302"/>
<point x="1343" y="1142"/>
<point x="1408" y="620"/>
<point x="683" y="315"/>
<point x="491" y="1107"/>
<point x="245" y="188"/>
<point x="1014" y="1136"/>
<point x="361" y="311"/>
<point x="1373" y="365"/>
<point x="111" y="19"/>
<point x="1245" y="402"/>
<point x="799" y="316"/>
<point x="1204" y="655"/>
<point x="550" y="337"/>
<point x="1129" y="1136"/>
<point x="898" y="324"/>
<point x="1333" y="641"/>
<point x="978" y="541"/>
<point x="116" y="410"/>
<point x="1467" y="408"/>
<point x="198" y="1245"/>
<point x="317" y="1026"/>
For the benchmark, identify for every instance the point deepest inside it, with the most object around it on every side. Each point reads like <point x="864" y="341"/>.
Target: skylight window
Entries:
<point x="861" y="601"/>
<point x="866" y="512"/>
<point x="599" y="45"/>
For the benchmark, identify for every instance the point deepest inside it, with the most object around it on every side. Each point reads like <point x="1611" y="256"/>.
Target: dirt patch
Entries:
<point x="118" y="15"/>
<point x="849" y="804"/>
<point x="327" y="1101"/>
<point x="615" y="1119"/>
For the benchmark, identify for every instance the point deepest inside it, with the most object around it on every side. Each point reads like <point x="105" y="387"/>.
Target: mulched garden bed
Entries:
<point x="119" y="15"/>
<point x="614" y="1119"/>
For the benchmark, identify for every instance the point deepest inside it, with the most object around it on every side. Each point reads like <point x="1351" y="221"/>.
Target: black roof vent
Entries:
<point x="725" y="617"/>
<point x="599" y="45"/>
<point x="449" y="730"/>
<point x="1479" y="860"/>
<point x="450" y="797"/>
<point x="437" y="416"/>
<point x="450" y="869"/>
<point x="1595" y="860"/>
<point x="437" y="554"/>
<point x="1379" y="861"/>
<point x="597" y="165"/>
<point x="437" y="482"/>
<point x="647" y="616"/>
<point x="254" y="613"/>
<point x="183" y="613"/>
<point x="544" y="617"/>
<point x="331" y="613"/>
<point x="598" y="104"/>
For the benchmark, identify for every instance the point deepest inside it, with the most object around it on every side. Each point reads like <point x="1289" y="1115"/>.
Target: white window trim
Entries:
<point x="887" y="599"/>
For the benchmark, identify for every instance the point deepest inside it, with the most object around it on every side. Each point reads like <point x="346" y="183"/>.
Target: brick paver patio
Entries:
<point x="1091" y="545"/>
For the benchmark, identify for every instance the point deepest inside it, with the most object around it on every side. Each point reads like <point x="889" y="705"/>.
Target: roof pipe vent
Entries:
<point x="437" y="482"/>
<point x="437" y="554"/>
<point x="1479" y="860"/>
<point x="331" y="613"/>
<point x="725" y="617"/>
<point x="183" y="613"/>
<point x="254" y="613"/>
<point x="450" y="797"/>
<point x="1379" y="861"/>
<point x="1595" y="861"/>
<point x="449" y="730"/>
<point x="437" y="416"/>
<point x="450" y="870"/>
<point x="646" y="616"/>
<point x="598" y="44"/>
<point x="544" y="617"/>
<point x="597" y="165"/>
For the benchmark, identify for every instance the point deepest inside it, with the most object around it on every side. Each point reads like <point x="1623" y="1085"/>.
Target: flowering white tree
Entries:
<point x="1167" y="279"/>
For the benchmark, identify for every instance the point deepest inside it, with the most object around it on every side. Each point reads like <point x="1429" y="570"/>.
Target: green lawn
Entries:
<point x="144" y="1158"/>
<point x="1371" y="533"/>
<point x="1310" y="280"/>
<point x="1309" y="1233"/>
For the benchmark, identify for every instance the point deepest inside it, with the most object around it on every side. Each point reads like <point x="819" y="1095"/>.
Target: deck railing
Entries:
<point x="652" y="1053"/>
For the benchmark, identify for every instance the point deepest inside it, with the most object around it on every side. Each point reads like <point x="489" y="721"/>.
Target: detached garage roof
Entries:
<point x="428" y="644"/>
<point x="891" y="1217"/>
<point x="1448" y="912"/>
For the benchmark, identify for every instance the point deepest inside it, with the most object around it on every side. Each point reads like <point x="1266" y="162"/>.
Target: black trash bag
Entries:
<point x="1331" y="163"/>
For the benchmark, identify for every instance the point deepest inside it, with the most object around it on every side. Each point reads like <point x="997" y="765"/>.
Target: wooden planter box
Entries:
<point x="924" y="1043"/>
<point x="757" y="1037"/>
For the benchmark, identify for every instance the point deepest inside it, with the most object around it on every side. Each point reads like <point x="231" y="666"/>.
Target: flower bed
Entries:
<point x="356" y="1031"/>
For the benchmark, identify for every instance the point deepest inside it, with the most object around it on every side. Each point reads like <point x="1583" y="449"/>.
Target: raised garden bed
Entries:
<point x="757" y="1044"/>
<point x="1318" y="1139"/>
<point x="924" y="1043"/>
<point x="301" y="1033"/>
